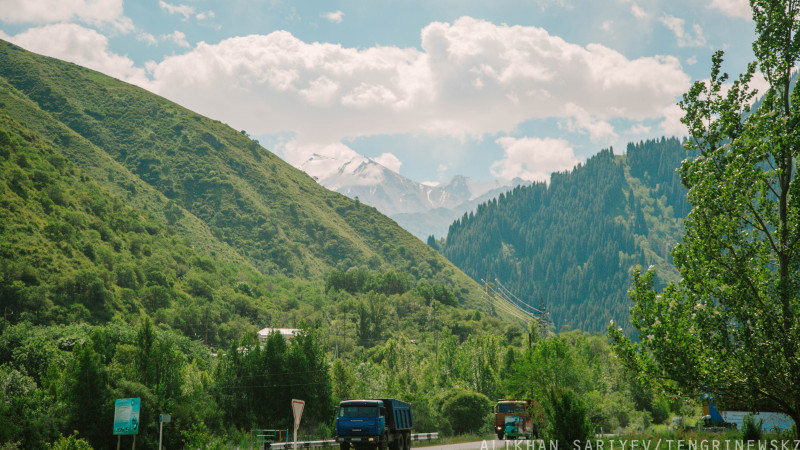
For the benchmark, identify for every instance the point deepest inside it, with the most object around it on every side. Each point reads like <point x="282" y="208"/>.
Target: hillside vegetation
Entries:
<point x="570" y="246"/>
<point x="208" y="187"/>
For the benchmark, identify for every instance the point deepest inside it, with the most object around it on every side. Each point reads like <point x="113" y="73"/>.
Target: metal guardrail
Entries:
<point x="333" y="443"/>
<point x="424" y="436"/>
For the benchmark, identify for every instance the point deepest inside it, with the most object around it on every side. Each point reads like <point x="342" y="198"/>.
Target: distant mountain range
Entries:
<point x="421" y="209"/>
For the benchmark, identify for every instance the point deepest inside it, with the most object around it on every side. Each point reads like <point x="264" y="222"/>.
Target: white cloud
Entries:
<point x="471" y="78"/>
<point x="389" y="161"/>
<point x="93" y="12"/>
<point x="607" y="26"/>
<point x="184" y="10"/>
<point x="638" y="12"/>
<point x="533" y="159"/>
<point x="442" y="169"/>
<point x="733" y="8"/>
<point x="147" y="38"/>
<point x="334" y="17"/>
<point x="640" y="129"/>
<point x="178" y="37"/>
<point x="685" y="38"/>
<point x="671" y="124"/>
<point x="320" y="92"/>
<point x="81" y="46"/>
<point x="205" y="15"/>
<point x="581" y="121"/>
<point x="544" y="4"/>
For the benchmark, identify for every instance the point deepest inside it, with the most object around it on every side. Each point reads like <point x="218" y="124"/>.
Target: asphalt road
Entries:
<point x="488" y="445"/>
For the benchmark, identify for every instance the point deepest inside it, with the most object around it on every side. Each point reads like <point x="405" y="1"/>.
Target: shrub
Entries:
<point x="660" y="410"/>
<point x="71" y="442"/>
<point x="466" y="410"/>
<point x="751" y="428"/>
<point x="567" y="419"/>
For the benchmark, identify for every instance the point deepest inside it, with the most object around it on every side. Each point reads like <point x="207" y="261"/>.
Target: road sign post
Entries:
<point x="162" y="419"/>
<point x="297" y="410"/>
<point x="126" y="418"/>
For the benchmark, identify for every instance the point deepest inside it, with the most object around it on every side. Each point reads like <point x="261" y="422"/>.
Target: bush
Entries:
<point x="660" y="410"/>
<point x="751" y="428"/>
<point x="72" y="442"/>
<point x="466" y="410"/>
<point x="567" y="419"/>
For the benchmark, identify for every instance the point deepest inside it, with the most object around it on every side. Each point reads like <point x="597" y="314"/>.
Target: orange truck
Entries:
<point x="512" y="419"/>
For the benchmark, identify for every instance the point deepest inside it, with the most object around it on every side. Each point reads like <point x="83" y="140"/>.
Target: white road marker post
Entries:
<point x="297" y="410"/>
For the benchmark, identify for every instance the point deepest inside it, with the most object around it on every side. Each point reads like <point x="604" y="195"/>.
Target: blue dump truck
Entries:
<point x="374" y="423"/>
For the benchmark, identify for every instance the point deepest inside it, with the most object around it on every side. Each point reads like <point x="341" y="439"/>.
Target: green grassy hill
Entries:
<point x="217" y="209"/>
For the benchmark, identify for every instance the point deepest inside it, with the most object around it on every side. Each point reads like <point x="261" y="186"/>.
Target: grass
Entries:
<point x="452" y="440"/>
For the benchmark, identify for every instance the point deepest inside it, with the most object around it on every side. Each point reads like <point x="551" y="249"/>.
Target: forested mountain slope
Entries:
<point x="220" y="190"/>
<point x="570" y="245"/>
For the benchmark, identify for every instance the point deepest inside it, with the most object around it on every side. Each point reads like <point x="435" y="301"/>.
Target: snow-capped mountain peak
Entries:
<point x="394" y="194"/>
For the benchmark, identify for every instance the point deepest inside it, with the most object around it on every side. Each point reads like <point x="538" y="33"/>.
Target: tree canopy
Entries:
<point x="731" y="326"/>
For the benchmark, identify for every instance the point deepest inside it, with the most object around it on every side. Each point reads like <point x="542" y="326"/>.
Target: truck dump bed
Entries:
<point x="398" y="414"/>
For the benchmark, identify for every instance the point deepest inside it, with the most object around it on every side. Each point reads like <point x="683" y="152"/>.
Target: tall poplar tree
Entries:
<point x="731" y="326"/>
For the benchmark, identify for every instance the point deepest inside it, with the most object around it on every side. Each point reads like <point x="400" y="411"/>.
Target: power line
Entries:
<point x="495" y="299"/>
<point x="517" y="307"/>
<point x="265" y="386"/>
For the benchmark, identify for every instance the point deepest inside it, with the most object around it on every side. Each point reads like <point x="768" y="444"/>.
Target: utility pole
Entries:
<point x="344" y="331"/>
<point x="205" y="339"/>
<point x="435" y="331"/>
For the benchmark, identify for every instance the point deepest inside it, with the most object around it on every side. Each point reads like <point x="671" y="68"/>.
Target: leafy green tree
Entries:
<point x="88" y="396"/>
<point x="343" y="381"/>
<point x="549" y="365"/>
<point x="731" y="326"/>
<point x="255" y="385"/>
<point x="27" y="415"/>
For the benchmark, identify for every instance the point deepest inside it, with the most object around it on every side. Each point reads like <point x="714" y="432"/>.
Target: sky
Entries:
<point x="430" y="89"/>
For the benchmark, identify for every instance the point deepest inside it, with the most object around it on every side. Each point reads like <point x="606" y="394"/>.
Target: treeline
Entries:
<point x="65" y="378"/>
<point x="62" y="380"/>
<point x="569" y="245"/>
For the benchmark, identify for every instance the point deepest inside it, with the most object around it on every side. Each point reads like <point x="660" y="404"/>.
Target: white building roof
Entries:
<point x="285" y="332"/>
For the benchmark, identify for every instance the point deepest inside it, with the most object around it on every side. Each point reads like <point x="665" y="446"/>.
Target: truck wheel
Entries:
<point x="408" y="440"/>
<point x="344" y="446"/>
<point x="382" y="443"/>
<point x="500" y="435"/>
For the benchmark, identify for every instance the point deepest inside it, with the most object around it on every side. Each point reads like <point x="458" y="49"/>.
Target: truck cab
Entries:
<point x="361" y="420"/>
<point x="512" y="419"/>
<point x="376" y="423"/>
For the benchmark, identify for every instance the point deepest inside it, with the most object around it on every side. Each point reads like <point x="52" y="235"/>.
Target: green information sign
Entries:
<point x="126" y="416"/>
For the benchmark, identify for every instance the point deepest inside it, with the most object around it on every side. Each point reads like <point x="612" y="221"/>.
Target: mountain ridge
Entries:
<point x="197" y="173"/>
